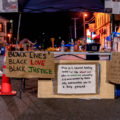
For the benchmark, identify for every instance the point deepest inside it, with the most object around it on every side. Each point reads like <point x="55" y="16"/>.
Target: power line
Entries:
<point x="91" y="20"/>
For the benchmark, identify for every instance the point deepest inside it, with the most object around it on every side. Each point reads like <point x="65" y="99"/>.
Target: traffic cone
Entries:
<point x="6" y="88"/>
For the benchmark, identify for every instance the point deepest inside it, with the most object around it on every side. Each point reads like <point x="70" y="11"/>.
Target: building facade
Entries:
<point x="103" y="29"/>
<point x="3" y="30"/>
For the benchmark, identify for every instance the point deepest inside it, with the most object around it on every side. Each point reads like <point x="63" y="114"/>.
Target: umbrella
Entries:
<point x="68" y="45"/>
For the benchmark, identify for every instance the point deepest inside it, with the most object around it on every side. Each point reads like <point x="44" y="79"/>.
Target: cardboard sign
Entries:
<point x="30" y="64"/>
<point x="112" y="6"/>
<point x="77" y="79"/>
<point x="113" y="74"/>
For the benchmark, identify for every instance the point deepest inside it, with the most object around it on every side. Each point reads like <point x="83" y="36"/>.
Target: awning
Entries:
<point x="96" y="37"/>
<point x="114" y="34"/>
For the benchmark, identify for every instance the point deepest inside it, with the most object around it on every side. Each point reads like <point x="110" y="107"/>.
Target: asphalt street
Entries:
<point x="32" y="108"/>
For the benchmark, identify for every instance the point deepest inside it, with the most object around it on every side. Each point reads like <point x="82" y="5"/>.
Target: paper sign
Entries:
<point x="30" y="64"/>
<point x="114" y="68"/>
<point x="8" y="5"/>
<point x="112" y="6"/>
<point x="77" y="79"/>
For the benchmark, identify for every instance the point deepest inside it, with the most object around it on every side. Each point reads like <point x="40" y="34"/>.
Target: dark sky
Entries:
<point x="43" y="26"/>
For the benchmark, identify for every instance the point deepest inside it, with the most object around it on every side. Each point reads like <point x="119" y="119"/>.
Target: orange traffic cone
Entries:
<point x="6" y="88"/>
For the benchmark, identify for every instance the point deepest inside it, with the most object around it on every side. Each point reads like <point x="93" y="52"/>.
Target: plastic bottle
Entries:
<point x="62" y="46"/>
<point x="72" y="46"/>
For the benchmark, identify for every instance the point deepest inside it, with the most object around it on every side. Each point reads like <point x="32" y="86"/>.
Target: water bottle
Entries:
<point x="62" y="46"/>
<point x="72" y="46"/>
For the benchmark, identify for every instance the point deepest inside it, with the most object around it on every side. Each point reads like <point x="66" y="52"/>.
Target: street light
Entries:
<point x="11" y="22"/>
<point x="75" y="29"/>
<point x="9" y="36"/>
<point x="84" y="15"/>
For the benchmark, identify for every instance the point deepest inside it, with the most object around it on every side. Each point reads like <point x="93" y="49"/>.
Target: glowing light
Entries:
<point x="88" y="32"/>
<point x="9" y="35"/>
<point x="85" y="15"/>
<point x="11" y="21"/>
<point x="0" y="27"/>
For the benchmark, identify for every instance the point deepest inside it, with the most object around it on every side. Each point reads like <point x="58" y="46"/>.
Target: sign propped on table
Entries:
<point x="21" y="64"/>
<point x="76" y="78"/>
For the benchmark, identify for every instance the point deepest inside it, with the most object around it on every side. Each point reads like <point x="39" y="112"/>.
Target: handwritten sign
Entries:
<point x="113" y="74"/>
<point x="30" y="64"/>
<point x="77" y="79"/>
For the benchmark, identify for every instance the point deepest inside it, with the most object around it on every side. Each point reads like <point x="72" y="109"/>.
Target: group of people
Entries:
<point x="19" y="47"/>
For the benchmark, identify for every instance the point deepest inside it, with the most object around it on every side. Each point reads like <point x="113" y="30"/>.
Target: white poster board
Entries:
<point x="77" y="79"/>
<point x="112" y="6"/>
<point x="8" y="6"/>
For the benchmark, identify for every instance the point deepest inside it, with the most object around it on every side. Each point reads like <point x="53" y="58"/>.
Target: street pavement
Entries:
<point x="32" y="108"/>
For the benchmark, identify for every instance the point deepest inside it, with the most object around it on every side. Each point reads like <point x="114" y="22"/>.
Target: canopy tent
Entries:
<point x="108" y="38"/>
<point x="25" y="40"/>
<point x="114" y="34"/>
<point x="37" y="6"/>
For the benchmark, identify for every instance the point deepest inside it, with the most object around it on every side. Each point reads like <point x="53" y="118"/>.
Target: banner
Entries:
<point x="77" y="79"/>
<point x="8" y="6"/>
<point x="29" y="64"/>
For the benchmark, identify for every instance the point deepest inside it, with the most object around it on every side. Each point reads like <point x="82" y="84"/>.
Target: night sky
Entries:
<point x="41" y="27"/>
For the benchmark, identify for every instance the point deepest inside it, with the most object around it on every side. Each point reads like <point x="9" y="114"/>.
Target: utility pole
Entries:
<point x="84" y="29"/>
<point x="75" y="29"/>
<point x="84" y="15"/>
<point x="18" y="30"/>
<point x="11" y="30"/>
<point x="112" y="28"/>
<point x="70" y="30"/>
